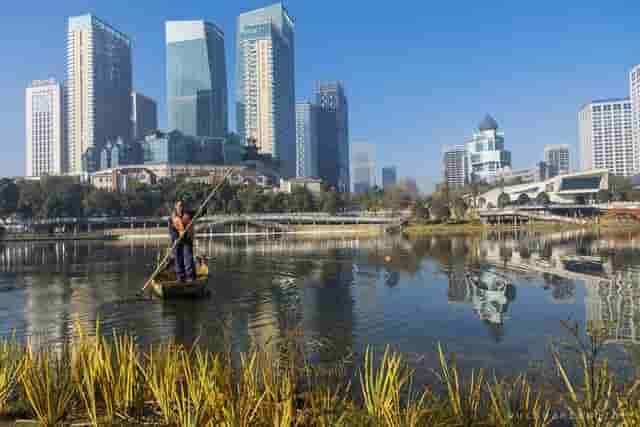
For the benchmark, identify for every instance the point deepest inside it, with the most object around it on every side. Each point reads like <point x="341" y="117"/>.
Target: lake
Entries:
<point x="497" y="301"/>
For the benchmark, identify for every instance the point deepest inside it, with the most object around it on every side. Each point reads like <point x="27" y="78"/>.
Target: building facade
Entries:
<point x="363" y="163"/>
<point x="556" y="159"/>
<point x="634" y="96"/>
<point x="306" y="140"/>
<point x="98" y="89"/>
<point x="45" y="129"/>
<point x="265" y="91"/>
<point x="487" y="157"/>
<point x="333" y="136"/>
<point x="196" y="79"/>
<point x="606" y="137"/>
<point x="456" y="166"/>
<point x="176" y="147"/>
<point x="389" y="176"/>
<point x="120" y="153"/>
<point x="144" y="115"/>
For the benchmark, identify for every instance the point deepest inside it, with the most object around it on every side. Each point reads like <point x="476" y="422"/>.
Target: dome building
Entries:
<point x="486" y="156"/>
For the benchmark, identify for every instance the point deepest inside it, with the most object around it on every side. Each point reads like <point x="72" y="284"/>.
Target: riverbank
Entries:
<point x="102" y="381"/>
<point x="418" y="230"/>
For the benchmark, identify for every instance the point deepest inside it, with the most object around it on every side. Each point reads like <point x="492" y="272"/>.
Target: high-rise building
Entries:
<point x="333" y="136"/>
<point x="363" y="163"/>
<point x="45" y="133"/>
<point x="196" y="79"/>
<point x="634" y="93"/>
<point x="556" y="160"/>
<point x="389" y="176"/>
<point x="99" y="89"/>
<point x="144" y="115"/>
<point x="265" y="91"/>
<point x="306" y="140"/>
<point x="487" y="158"/>
<point x="456" y="165"/>
<point x="606" y="137"/>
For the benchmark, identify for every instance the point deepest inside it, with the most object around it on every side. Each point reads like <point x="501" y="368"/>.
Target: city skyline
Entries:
<point x="418" y="140"/>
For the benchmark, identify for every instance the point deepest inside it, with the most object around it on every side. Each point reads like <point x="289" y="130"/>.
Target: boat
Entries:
<point x="166" y="284"/>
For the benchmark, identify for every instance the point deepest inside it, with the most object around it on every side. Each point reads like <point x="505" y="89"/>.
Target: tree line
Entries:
<point x="53" y="197"/>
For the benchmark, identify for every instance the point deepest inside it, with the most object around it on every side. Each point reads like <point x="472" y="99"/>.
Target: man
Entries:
<point x="183" y="252"/>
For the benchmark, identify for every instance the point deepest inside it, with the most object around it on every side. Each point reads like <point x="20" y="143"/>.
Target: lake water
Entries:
<point x="496" y="301"/>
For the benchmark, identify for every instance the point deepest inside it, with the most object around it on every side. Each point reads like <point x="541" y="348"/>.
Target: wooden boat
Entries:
<point x="166" y="284"/>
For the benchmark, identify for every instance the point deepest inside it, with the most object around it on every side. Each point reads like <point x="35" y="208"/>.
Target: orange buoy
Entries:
<point x="387" y="258"/>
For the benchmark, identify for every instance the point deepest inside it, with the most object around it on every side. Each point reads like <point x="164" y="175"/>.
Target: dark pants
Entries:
<point x="185" y="265"/>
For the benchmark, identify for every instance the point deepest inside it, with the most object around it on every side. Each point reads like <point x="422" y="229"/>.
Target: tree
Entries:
<point x="330" y="202"/>
<point x="504" y="200"/>
<point x="31" y="199"/>
<point x="457" y="208"/>
<point x="543" y="199"/>
<point x="9" y="197"/>
<point x="523" y="199"/>
<point x="438" y="209"/>
<point x="603" y="196"/>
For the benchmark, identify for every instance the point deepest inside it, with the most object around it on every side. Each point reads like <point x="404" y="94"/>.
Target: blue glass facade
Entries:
<point x="265" y="84"/>
<point x="196" y="78"/>
<point x="177" y="148"/>
<point x="333" y="136"/>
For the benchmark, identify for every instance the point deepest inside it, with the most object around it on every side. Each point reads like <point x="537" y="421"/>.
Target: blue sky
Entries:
<point x="419" y="74"/>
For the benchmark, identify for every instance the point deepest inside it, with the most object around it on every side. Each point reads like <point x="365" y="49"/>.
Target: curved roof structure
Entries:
<point x="488" y="123"/>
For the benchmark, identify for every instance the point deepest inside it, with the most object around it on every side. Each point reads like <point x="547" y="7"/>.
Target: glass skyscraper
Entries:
<point x="389" y="176"/>
<point x="333" y="136"/>
<point x="306" y="140"/>
<point x="363" y="162"/>
<point x="265" y="91"/>
<point x="99" y="89"/>
<point x="196" y="78"/>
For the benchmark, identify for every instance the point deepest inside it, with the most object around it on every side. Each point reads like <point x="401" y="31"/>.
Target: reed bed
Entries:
<point x="108" y="380"/>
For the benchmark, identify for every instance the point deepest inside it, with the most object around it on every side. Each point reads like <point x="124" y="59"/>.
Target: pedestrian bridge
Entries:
<point x="274" y="222"/>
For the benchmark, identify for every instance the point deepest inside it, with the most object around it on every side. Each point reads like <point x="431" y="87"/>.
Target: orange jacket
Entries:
<point x="180" y="223"/>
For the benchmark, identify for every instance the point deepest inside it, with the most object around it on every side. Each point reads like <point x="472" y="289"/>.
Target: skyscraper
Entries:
<point x="389" y="176"/>
<point x="486" y="156"/>
<point x="45" y="134"/>
<point x="333" y="136"/>
<point x="606" y="137"/>
<point x="144" y="115"/>
<point x="634" y="93"/>
<point x="456" y="166"/>
<point x="99" y="89"/>
<point x="196" y="78"/>
<point x="556" y="160"/>
<point x="265" y="91"/>
<point x="306" y="140"/>
<point x="363" y="162"/>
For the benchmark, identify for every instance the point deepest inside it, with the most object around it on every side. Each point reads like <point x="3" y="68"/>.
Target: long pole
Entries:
<point x="199" y="212"/>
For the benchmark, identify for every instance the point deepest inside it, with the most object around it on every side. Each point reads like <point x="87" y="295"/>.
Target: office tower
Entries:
<point x="144" y="115"/>
<point x="265" y="91"/>
<point x="556" y="160"/>
<point x="306" y="140"/>
<point x="606" y="137"/>
<point x="99" y="89"/>
<point x="45" y="134"/>
<point x="389" y="176"/>
<point x="196" y="79"/>
<point x="486" y="156"/>
<point x="634" y="93"/>
<point x="456" y="165"/>
<point x="363" y="162"/>
<point x="333" y="136"/>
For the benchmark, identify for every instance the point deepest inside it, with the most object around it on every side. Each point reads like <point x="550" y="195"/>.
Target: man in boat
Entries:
<point x="183" y="253"/>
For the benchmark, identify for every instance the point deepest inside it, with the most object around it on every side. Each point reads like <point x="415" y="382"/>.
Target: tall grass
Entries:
<point x="110" y="381"/>
<point x="10" y="357"/>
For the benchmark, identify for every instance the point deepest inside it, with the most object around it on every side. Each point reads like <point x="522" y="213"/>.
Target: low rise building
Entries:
<point x="313" y="185"/>
<point x="119" y="179"/>
<point x="577" y="187"/>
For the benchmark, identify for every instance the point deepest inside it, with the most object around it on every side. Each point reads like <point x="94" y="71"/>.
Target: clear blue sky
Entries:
<point x="418" y="74"/>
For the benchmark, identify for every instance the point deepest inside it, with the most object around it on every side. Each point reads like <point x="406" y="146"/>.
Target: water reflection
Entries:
<point x="495" y="299"/>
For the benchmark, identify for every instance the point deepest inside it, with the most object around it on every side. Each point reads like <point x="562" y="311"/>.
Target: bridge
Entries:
<point x="210" y="223"/>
